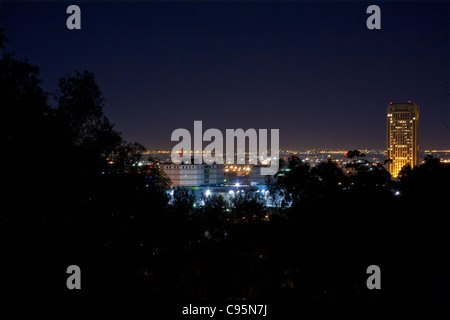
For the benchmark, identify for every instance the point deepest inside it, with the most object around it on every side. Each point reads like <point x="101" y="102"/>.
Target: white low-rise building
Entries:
<point x="191" y="175"/>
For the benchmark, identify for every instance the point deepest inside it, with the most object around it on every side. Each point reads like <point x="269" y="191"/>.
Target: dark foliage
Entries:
<point x="74" y="195"/>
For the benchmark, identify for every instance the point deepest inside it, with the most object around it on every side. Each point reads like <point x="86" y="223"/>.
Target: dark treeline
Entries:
<point x="73" y="195"/>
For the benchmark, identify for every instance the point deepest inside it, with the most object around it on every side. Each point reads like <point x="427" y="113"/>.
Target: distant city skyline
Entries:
<point x="312" y="70"/>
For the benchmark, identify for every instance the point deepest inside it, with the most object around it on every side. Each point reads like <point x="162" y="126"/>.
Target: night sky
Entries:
<point x="312" y="70"/>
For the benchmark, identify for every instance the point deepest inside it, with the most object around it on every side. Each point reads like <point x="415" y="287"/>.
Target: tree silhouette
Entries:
<point x="81" y="122"/>
<point x="330" y="175"/>
<point x="355" y="154"/>
<point x="126" y="157"/>
<point x="215" y="205"/>
<point x="62" y="206"/>
<point x="296" y="180"/>
<point x="183" y="201"/>
<point x="247" y="207"/>
<point x="25" y="136"/>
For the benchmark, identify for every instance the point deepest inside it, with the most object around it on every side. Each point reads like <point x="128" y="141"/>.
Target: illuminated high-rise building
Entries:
<point x="402" y="136"/>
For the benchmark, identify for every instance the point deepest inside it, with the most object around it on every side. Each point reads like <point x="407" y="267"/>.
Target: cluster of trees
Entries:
<point x="344" y="220"/>
<point x="331" y="224"/>
<point x="71" y="187"/>
<point x="73" y="195"/>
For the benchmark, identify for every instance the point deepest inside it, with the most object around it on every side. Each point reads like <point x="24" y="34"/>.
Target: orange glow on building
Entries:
<point x="402" y="136"/>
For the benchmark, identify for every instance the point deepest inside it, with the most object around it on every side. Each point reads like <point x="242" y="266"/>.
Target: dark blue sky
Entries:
<point x="312" y="70"/>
